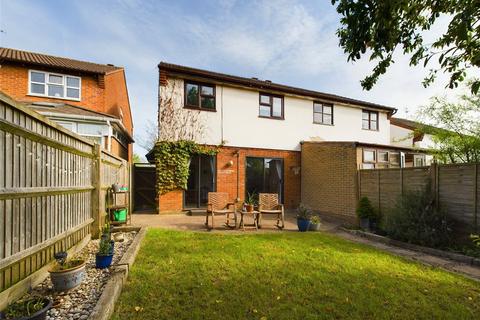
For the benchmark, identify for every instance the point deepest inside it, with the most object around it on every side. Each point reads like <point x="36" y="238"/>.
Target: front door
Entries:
<point x="201" y="181"/>
<point x="264" y="175"/>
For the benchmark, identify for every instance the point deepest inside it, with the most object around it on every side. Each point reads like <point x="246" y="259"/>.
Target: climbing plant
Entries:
<point x="172" y="162"/>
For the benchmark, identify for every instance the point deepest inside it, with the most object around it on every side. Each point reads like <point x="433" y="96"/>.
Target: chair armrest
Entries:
<point x="231" y="204"/>
<point x="280" y="206"/>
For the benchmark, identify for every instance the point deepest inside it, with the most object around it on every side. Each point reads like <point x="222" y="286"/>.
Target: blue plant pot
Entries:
<point x="102" y="262"/>
<point x="303" y="224"/>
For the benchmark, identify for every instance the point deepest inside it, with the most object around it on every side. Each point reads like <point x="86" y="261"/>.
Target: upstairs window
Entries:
<point x="322" y="113"/>
<point x="369" y="120"/>
<point x="271" y="106"/>
<point x="199" y="96"/>
<point x="54" y="85"/>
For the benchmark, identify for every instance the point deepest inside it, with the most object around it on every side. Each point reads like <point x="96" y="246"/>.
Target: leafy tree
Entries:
<point x="379" y="27"/>
<point x="136" y="158"/>
<point x="455" y="128"/>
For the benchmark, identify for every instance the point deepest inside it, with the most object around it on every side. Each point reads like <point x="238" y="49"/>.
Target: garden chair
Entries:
<point x="268" y="204"/>
<point x="218" y="205"/>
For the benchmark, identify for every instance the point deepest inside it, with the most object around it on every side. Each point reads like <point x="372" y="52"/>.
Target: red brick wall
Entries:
<point x="227" y="176"/>
<point x="14" y="82"/>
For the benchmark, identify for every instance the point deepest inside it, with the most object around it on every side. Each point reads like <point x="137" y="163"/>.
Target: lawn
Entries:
<point x="188" y="275"/>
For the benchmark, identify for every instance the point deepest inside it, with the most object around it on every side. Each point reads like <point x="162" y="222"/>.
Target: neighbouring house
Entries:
<point x="407" y="133"/>
<point x="87" y="98"/>
<point x="272" y="137"/>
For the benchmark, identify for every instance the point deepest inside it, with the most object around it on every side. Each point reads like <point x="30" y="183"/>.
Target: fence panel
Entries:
<point x="52" y="193"/>
<point x="454" y="188"/>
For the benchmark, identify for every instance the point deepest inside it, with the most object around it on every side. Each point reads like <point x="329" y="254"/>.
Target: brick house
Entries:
<point x="88" y="98"/>
<point x="272" y="136"/>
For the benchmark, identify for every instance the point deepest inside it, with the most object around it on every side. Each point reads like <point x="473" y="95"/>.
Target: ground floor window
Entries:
<point x="201" y="181"/>
<point x="264" y="175"/>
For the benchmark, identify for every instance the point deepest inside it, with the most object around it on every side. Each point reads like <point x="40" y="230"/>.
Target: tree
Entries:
<point x="455" y="128"/>
<point x="380" y="27"/>
<point x="136" y="158"/>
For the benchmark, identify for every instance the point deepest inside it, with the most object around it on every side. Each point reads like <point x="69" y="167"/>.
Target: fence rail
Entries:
<point x="52" y="190"/>
<point x="454" y="188"/>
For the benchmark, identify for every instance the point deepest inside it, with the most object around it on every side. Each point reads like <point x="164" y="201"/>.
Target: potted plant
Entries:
<point x="32" y="308"/>
<point x="250" y="202"/>
<point x="303" y="217"/>
<point x="107" y="236"/>
<point x="116" y="187"/>
<point x="66" y="274"/>
<point x="365" y="213"/>
<point x="103" y="258"/>
<point x="315" y="223"/>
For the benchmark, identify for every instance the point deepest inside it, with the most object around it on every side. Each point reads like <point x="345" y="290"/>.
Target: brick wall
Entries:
<point x="329" y="178"/>
<point x="227" y="176"/>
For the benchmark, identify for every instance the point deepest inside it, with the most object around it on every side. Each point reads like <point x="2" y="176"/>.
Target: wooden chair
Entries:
<point x="218" y="204"/>
<point x="268" y="204"/>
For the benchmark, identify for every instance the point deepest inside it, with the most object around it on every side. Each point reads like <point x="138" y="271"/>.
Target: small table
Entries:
<point x="253" y="214"/>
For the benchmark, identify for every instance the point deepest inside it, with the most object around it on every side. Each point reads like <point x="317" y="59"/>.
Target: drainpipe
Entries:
<point x="110" y="129"/>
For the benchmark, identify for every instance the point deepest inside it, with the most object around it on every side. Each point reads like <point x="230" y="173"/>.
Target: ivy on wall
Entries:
<point x="172" y="162"/>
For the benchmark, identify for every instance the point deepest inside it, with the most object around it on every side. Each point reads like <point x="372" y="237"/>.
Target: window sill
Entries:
<point x="272" y="118"/>
<point x="324" y="124"/>
<point x="374" y="130"/>
<point x="199" y="109"/>
<point x="49" y="97"/>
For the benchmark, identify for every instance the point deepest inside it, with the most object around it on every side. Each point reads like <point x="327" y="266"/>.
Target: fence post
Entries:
<point x="475" y="200"/>
<point x="96" y="193"/>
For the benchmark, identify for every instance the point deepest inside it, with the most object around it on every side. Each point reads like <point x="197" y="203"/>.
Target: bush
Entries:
<point x="414" y="219"/>
<point x="365" y="209"/>
<point x="304" y="212"/>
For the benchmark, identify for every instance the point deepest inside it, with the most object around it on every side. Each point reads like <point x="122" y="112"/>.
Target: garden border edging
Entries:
<point x="431" y="251"/>
<point x="106" y="303"/>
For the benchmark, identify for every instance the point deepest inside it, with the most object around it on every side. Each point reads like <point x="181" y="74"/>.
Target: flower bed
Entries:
<point x="79" y="302"/>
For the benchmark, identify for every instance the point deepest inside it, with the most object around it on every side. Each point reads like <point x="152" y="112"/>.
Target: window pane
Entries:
<point x="394" y="157"/>
<point x="67" y="125"/>
<point x="73" y="93"/>
<point x="277" y="107"/>
<point x="317" y="107"/>
<point x="37" y="77"/>
<point x="373" y="125"/>
<point x="368" y="166"/>
<point x="265" y="111"/>
<point x="317" y="117"/>
<point x="38" y="88"/>
<point x="327" y="119"/>
<point x="365" y="124"/>
<point x="368" y="156"/>
<point x="55" y="91"/>
<point x="383" y="156"/>
<point x="55" y="79"/>
<point x="92" y="129"/>
<point x="265" y="99"/>
<point x="208" y="103"/>
<point x="207" y="90"/>
<point x="373" y="116"/>
<point x="365" y="115"/>
<point x="73" y="82"/>
<point x="327" y="109"/>
<point x="192" y="94"/>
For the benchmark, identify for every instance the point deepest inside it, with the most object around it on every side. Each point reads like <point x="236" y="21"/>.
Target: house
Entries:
<point x="88" y="98"/>
<point x="407" y="133"/>
<point x="263" y="129"/>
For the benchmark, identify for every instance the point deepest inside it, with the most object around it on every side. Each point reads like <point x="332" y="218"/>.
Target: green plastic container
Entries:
<point x="120" y="215"/>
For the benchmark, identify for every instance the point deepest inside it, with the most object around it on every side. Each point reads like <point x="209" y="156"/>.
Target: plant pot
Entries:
<point x="64" y="280"/>
<point x="303" y="224"/>
<point x="365" y="224"/>
<point x="249" y="207"/>
<point x="373" y="225"/>
<point x="103" y="261"/>
<point x="39" y="315"/>
<point x="116" y="187"/>
<point x="314" y="226"/>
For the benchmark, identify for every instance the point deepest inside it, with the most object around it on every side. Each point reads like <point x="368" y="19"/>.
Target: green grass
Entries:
<point x="187" y="275"/>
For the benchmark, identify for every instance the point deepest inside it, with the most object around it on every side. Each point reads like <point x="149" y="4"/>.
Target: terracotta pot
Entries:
<point x="249" y="207"/>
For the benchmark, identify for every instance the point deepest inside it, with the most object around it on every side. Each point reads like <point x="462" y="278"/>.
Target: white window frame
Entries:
<point x="46" y="83"/>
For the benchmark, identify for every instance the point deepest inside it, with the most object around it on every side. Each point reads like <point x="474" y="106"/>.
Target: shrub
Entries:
<point x="414" y="219"/>
<point x="304" y="212"/>
<point x="365" y="209"/>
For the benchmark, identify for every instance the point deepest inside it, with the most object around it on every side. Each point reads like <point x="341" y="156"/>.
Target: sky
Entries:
<point x="292" y="42"/>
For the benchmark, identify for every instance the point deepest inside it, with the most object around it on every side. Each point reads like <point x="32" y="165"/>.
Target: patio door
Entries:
<point x="201" y="181"/>
<point x="264" y="175"/>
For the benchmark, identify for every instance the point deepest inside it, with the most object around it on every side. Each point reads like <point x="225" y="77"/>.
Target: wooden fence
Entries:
<point x="454" y="188"/>
<point x="52" y="193"/>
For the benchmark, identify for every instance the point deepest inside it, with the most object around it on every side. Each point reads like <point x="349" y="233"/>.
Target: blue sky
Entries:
<point x="287" y="41"/>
